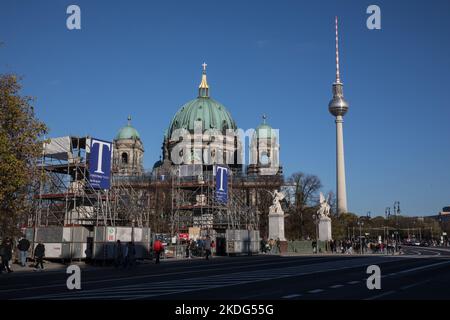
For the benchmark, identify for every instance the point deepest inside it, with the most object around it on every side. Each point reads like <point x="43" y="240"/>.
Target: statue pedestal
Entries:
<point x="325" y="229"/>
<point x="276" y="226"/>
<point x="283" y="246"/>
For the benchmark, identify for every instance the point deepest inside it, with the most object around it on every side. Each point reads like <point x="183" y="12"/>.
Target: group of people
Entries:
<point x="271" y="246"/>
<point x="23" y="246"/>
<point x="124" y="256"/>
<point x="202" y="247"/>
<point x="363" y="246"/>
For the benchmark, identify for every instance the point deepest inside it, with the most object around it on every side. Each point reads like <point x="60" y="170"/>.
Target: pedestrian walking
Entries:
<point x="207" y="246"/>
<point x="118" y="254"/>
<point x="6" y="254"/>
<point x="130" y="258"/>
<point x="192" y="248"/>
<point x="23" y="247"/>
<point x="157" y="248"/>
<point x="314" y="246"/>
<point x="39" y="254"/>
<point x="213" y="248"/>
<point x="262" y="245"/>
<point x="187" y="251"/>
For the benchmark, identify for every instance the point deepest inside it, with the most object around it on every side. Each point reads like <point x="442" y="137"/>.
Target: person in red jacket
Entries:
<point x="158" y="247"/>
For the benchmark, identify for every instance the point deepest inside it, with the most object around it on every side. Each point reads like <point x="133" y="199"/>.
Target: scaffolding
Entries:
<point x="183" y="198"/>
<point x="194" y="202"/>
<point x="65" y="196"/>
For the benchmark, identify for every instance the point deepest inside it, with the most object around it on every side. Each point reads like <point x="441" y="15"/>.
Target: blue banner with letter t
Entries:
<point x="221" y="184"/>
<point x="100" y="164"/>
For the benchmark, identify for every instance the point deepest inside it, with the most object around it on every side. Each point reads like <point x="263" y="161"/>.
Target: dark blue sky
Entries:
<point x="276" y="57"/>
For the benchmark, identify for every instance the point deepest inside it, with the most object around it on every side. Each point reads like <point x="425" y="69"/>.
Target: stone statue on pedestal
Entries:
<point x="276" y="217"/>
<point x="276" y="206"/>
<point x="323" y="219"/>
<point x="324" y="210"/>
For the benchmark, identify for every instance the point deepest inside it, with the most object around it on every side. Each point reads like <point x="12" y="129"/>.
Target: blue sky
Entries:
<point x="275" y="57"/>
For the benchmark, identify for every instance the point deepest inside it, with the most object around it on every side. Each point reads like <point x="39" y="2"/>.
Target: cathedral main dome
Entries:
<point x="211" y="113"/>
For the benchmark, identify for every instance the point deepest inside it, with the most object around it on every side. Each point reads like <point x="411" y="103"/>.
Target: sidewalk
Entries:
<point x="326" y="254"/>
<point x="53" y="266"/>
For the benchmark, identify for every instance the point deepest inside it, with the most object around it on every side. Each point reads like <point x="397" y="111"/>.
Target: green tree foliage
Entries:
<point x="340" y="224"/>
<point x="20" y="145"/>
<point x="346" y="226"/>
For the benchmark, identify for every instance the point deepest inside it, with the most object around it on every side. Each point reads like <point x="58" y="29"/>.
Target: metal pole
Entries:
<point x="360" y="240"/>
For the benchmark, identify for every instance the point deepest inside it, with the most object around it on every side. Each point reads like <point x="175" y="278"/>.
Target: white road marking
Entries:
<point x="146" y="290"/>
<point x="291" y="296"/>
<point x="157" y="275"/>
<point x="414" y="285"/>
<point x="316" y="291"/>
<point x="423" y="267"/>
<point x="353" y="282"/>
<point x="381" y="295"/>
<point x="336" y="286"/>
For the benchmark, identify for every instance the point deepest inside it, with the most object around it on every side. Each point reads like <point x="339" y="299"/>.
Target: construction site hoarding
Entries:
<point x="79" y="242"/>
<point x="242" y="241"/>
<point x="63" y="243"/>
<point x="105" y="241"/>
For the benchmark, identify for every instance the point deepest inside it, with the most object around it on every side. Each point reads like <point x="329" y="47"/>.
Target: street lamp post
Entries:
<point x="397" y="213"/>
<point x="360" y="224"/>
<point x="316" y="217"/>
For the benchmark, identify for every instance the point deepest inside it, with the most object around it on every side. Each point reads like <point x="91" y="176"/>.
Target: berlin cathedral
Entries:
<point x="201" y="135"/>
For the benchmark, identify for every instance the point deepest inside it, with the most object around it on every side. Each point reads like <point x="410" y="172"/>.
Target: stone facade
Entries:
<point x="128" y="157"/>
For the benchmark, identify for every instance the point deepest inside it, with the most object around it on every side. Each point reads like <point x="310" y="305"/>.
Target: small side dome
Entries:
<point x="128" y="132"/>
<point x="265" y="131"/>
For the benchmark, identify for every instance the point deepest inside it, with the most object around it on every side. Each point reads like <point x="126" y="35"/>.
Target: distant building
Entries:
<point x="442" y="216"/>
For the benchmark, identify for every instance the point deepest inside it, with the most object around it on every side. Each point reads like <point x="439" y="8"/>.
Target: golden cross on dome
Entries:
<point x="204" y="65"/>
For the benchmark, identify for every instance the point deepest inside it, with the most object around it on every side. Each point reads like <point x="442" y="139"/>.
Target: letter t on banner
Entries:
<point x="221" y="184"/>
<point x="100" y="164"/>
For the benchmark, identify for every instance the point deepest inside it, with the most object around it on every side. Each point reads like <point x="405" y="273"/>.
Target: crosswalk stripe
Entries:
<point x="295" y="295"/>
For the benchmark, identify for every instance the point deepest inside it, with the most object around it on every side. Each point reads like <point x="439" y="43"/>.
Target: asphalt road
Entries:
<point x="421" y="273"/>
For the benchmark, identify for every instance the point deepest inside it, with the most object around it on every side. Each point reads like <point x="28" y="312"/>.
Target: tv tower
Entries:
<point x="338" y="107"/>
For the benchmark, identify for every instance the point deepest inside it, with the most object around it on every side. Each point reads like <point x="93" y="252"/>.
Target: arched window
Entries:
<point x="124" y="158"/>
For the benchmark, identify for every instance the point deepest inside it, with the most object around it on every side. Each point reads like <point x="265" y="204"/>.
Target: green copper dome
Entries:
<point x="127" y="132"/>
<point x="264" y="131"/>
<point x="213" y="114"/>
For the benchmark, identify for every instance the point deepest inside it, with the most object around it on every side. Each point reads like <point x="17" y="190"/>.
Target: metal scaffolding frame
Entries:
<point x="171" y="204"/>
<point x="64" y="196"/>
<point x="194" y="202"/>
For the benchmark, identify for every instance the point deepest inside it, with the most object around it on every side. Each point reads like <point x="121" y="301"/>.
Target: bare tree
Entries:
<point x="303" y="195"/>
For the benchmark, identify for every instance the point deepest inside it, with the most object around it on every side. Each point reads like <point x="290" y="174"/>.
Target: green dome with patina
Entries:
<point x="127" y="132"/>
<point x="213" y="114"/>
<point x="265" y="131"/>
